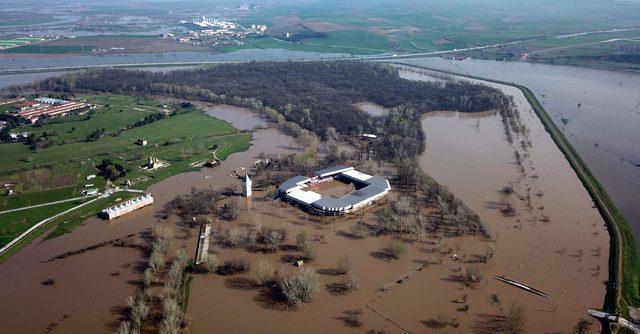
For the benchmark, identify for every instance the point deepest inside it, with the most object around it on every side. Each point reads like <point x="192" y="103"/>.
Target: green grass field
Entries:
<point x="70" y="221"/>
<point x="14" y="223"/>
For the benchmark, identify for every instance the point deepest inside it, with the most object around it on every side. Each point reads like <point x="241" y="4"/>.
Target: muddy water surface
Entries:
<point x="598" y="111"/>
<point x="467" y="153"/>
<point x="565" y="256"/>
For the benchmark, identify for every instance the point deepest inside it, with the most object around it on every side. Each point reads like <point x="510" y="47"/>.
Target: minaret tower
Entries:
<point x="246" y="186"/>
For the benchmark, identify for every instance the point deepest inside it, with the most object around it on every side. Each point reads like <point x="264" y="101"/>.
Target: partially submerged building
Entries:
<point x="247" y="184"/>
<point x="126" y="207"/>
<point x="368" y="190"/>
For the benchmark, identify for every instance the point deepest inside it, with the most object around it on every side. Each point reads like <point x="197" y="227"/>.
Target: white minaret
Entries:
<point x="246" y="186"/>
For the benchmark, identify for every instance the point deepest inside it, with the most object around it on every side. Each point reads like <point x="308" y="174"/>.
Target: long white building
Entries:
<point x="126" y="207"/>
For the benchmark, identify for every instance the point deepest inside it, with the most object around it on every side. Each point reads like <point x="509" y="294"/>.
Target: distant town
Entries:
<point x="212" y="32"/>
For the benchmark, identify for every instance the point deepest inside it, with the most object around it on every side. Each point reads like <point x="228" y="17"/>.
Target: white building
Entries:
<point x="126" y="207"/>
<point x="246" y="186"/>
<point x="369" y="190"/>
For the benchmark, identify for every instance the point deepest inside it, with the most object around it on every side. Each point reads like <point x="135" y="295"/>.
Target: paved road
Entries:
<point x="41" y="223"/>
<point x="45" y="204"/>
<point x="612" y="318"/>
<point x="46" y="220"/>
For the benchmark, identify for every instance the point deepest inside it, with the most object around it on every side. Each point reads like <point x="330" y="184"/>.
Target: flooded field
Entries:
<point x="597" y="110"/>
<point x="106" y="270"/>
<point x="555" y="240"/>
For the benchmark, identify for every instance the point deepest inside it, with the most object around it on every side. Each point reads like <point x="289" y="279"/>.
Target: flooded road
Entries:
<point x="555" y="241"/>
<point x="598" y="111"/>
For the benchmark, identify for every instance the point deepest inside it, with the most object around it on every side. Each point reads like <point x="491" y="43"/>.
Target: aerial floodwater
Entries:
<point x="554" y="239"/>
<point x="17" y="63"/>
<point x="598" y="111"/>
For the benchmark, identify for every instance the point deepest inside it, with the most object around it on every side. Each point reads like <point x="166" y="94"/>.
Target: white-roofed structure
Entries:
<point x="368" y="190"/>
<point x="126" y="207"/>
<point x="356" y="175"/>
<point x="304" y="197"/>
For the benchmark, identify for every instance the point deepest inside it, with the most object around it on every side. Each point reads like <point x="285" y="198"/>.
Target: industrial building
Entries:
<point x="45" y="106"/>
<point x="126" y="207"/>
<point x="368" y="190"/>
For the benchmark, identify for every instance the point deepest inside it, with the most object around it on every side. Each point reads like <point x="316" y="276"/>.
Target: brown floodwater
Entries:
<point x="469" y="154"/>
<point x="239" y="118"/>
<point x="597" y="110"/>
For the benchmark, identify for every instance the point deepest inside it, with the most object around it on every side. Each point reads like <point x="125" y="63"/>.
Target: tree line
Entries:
<point x="314" y="95"/>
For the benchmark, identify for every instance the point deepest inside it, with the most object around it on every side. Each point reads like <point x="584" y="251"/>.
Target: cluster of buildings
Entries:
<point x="126" y="207"/>
<point x="368" y="190"/>
<point x="19" y="41"/>
<point x="45" y="106"/>
<point x="216" y="32"/>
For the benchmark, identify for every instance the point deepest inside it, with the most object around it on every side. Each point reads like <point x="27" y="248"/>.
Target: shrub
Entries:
<point x="355" y="318"/>
<point x="156" y="261"/>
<point x="235" y="266"/>
<point x="397" y="249"/>
<point x="471" y="276"/>
<point x="359" y="230"/>
<point x="211" y="263"/>
<point x="302" y="239"/>
<point x="308" y="252"/>
<point x="263" y="273"/>
<point x="149" y="278"/>
<point x="161" y="246"/>
<point x="272" y="238"/>
<point x="234" y="237"/>
<point x="441" y="321"/>
<point x="160" y="233"/>
<point x="124" y="328"/>
<point x="351" y="283"/>
<point x="300" y="288"/>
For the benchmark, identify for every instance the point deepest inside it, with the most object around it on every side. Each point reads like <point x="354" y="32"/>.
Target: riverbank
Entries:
<point x="624" y="269"/>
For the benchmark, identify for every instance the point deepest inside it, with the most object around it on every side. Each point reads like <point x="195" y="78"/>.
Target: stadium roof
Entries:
<point x="292" y="183"/>
<point x="332" y="170"/>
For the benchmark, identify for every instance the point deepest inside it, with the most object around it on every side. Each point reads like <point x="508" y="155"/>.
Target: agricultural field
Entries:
<point x="614" y="50"/>
<point x="442" y="25"/>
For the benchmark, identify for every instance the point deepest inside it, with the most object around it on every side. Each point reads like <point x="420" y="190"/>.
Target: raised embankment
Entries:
<point x="624" y="260"/>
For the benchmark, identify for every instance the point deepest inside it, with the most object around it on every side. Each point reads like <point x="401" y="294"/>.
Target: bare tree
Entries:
<point x="300" y="288"/>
